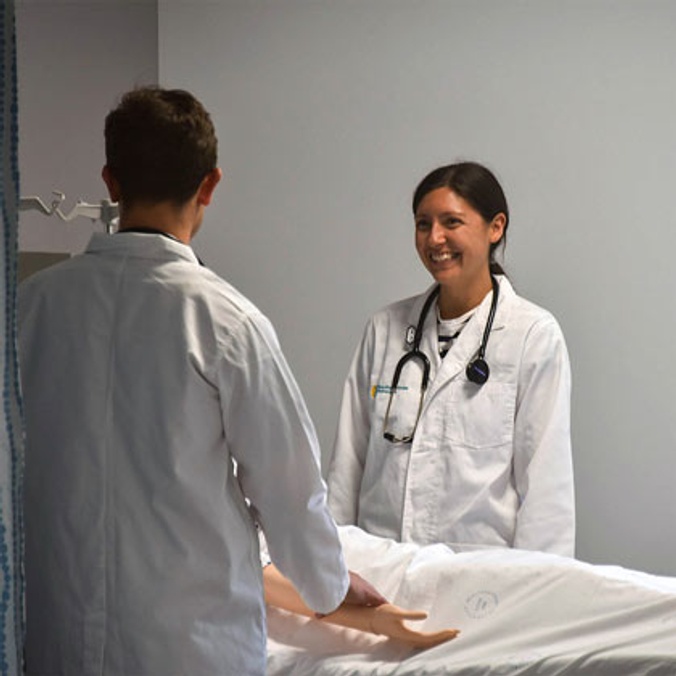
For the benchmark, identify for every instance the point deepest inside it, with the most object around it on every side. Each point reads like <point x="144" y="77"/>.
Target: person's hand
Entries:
<point x="389" y="621"/>
<point x="362" y="593"/>
<point x="359" y="593"/>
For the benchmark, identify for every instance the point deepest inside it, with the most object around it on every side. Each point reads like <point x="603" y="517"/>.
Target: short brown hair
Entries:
<point x="160" y="144"/>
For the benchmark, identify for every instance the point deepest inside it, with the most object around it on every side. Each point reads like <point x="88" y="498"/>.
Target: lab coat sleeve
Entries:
<point x="543" y="468"/>
<point x="352" y="436"/>
<point x="271" y="436"/>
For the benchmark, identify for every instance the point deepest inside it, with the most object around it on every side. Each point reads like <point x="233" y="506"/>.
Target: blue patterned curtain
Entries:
<point x="11" y="449"/>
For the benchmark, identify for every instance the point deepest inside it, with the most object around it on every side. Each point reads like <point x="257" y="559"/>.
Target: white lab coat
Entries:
<point x="144" y="377"/>
<point x="489" y="465"/>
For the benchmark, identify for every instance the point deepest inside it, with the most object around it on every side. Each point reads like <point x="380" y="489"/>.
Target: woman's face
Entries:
<point x="453" y="239"/>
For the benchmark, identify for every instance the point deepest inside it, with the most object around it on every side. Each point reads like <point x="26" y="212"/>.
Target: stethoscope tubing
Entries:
<point x="477" y="370"/>
<point x="481" y="352"/>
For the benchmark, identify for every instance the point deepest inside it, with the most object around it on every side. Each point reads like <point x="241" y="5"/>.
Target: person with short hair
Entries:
<point x="162" y="424"/>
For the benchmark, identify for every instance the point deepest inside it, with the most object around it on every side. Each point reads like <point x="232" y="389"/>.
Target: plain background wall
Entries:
<point x="74" y="58"/>
<point x="330" y="112"/>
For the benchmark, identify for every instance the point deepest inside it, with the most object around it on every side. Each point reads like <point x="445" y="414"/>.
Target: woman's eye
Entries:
<point x="452" y="222"/>
<point x="422" y="225"/>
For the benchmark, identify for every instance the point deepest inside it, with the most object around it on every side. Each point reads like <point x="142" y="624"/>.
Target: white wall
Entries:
<point x="74" y="59"/>
<point x="330" y="112"/>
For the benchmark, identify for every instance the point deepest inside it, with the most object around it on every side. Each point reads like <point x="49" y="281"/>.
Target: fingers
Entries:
<point x="429" y="640"/>
<point x="389" y="621"/>
<point x="404" y="614"/>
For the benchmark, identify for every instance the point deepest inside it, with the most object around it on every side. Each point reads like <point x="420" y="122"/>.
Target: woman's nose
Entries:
<point x="437" y="233"/>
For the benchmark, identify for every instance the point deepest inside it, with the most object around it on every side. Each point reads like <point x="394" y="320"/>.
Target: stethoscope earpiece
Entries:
<point x="477" y="371"/>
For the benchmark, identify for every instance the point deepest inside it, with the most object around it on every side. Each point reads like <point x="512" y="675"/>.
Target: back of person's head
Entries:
<point x="160" y="144"/>
<point x="478" y="186"/>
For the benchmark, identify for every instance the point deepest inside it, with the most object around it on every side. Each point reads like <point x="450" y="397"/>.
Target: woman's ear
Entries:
<point x="497" y="227"/>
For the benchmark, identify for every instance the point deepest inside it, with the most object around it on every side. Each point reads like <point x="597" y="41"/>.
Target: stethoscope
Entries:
<point x="477" y="370"/>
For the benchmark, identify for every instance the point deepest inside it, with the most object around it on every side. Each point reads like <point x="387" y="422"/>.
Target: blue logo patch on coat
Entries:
<point x="385" y="389"/>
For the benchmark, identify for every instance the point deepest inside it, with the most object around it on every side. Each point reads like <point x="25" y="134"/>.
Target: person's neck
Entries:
<point x="454" y="302"/>
<point x="177" y="221"/>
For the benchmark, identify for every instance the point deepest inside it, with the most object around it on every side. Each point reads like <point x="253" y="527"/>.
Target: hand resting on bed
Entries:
<point x="385" y="619"/>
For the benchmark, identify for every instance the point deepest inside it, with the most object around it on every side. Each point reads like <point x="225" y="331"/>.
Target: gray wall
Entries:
<point x="74" y="59"/>
<point x="330" y="112"/>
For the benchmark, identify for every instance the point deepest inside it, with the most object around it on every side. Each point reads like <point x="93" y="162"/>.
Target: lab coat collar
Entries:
<point x="143" y="245"/>
<point x="506" y="290"/>
<point x="467" y="344"/>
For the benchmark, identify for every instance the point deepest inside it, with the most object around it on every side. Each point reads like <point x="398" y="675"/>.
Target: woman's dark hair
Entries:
<point x="478" y="186"/>
<point x="160" y="144"/>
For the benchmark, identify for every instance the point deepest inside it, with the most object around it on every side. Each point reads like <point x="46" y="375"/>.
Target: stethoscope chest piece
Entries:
<point x="477" y="371"/>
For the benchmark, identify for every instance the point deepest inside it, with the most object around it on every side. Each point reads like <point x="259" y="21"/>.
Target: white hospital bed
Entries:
<point x="520" y="613"/>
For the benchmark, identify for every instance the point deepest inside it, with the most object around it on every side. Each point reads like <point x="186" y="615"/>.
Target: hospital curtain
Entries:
<point x="11" y="448"/>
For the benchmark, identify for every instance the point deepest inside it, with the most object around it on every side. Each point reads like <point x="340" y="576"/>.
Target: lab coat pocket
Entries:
<point x="480" y="417"/>
<point x="397" y="411"/>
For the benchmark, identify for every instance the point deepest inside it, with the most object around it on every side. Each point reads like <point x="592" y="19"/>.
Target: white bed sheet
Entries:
<point x="520" y="613"/>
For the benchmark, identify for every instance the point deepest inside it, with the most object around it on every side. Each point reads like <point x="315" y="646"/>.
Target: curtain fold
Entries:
<point x="11" y="436"/>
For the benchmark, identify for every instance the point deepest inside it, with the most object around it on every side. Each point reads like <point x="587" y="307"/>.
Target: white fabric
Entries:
<point x="448" y="330"/>
<point x="489" y="465"/>
<point x="145" y="376"/>
<point x="521" y="613"/>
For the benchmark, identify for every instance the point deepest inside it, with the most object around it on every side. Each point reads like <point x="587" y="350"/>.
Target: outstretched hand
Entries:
<point x="388" y="620"/>
<point x="364" y="608"/>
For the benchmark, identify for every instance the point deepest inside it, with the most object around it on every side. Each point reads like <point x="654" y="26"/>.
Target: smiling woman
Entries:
<point x="455" y="420"/>
<point x="461" y="218"/>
